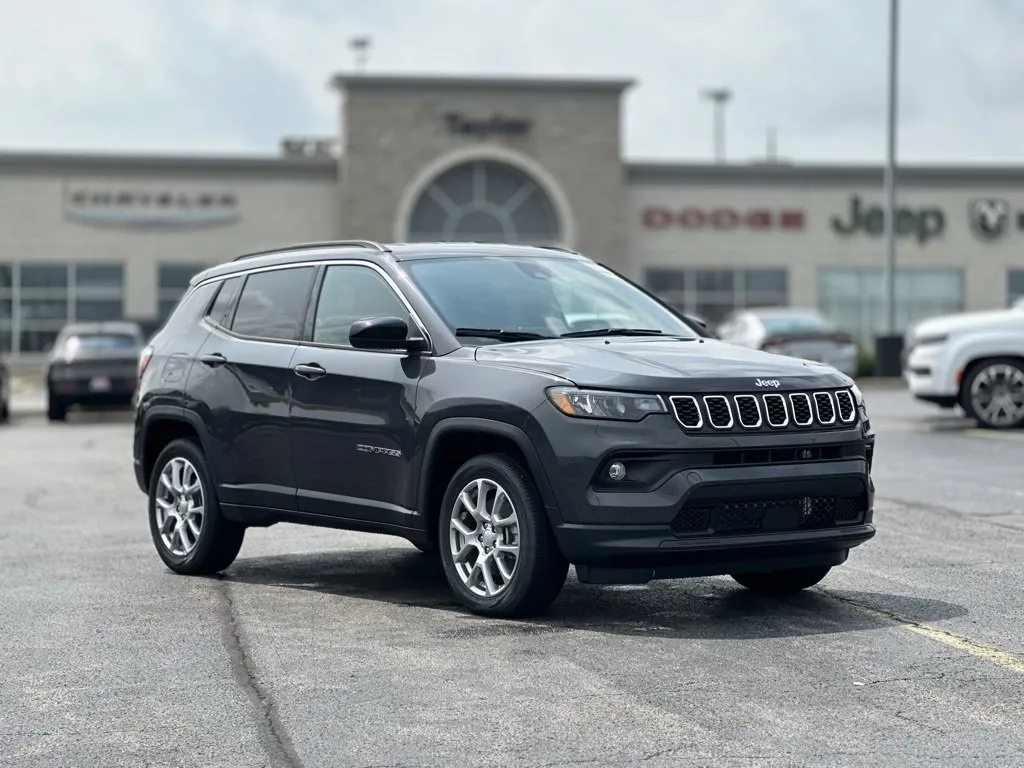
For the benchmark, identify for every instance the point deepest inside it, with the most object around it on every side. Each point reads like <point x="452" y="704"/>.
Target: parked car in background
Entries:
<point x="5" y="392"/>
<point x="93" y="364"/>
<point x="792" y="331"/>
<point x="971" y="359"/>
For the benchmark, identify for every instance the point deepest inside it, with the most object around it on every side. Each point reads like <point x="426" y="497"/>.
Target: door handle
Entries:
<point x="310" y="371"/>
<point x="215" y="360"/>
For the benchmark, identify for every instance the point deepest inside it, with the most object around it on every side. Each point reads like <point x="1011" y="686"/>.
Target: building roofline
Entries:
<point x="783" y="173"/>
<point x="269" y="165"/>
<point x="351" y="82"/>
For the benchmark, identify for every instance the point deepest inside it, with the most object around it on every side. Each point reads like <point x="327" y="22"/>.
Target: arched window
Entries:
<point x="485" y="201"/>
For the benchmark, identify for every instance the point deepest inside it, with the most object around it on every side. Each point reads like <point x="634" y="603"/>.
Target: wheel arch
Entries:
<point x="978" y="360"/>
<point x="454" y="440"/>
<point x="161" y="426"/>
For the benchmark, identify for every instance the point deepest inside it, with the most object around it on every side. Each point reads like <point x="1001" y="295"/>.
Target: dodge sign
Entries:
<point x="723" y="218"/>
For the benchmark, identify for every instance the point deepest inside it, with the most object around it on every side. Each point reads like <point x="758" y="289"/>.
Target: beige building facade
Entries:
<point x="537" y="161"/>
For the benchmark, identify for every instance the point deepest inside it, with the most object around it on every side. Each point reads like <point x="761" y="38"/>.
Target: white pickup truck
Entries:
<point x="974" y="360"/>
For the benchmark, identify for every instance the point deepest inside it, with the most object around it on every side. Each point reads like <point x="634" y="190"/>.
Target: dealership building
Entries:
<point x="93" y="237"/>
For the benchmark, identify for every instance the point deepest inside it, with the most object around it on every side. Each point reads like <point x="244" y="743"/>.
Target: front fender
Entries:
<point x="494" y="427"/>
<point x="964" y="350"/>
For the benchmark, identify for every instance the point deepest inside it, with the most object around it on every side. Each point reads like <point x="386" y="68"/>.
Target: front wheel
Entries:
<point x="783" y="582"/>
<point x="499" y="554"/>
<point x="994" y="394"/>
<point x="191" y="534"/>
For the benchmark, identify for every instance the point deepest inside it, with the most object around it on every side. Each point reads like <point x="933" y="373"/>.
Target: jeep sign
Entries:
<point x="923" y="224"/>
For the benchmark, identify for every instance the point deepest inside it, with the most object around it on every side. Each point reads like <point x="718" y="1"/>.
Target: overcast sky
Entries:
<point x="233" y="76"/>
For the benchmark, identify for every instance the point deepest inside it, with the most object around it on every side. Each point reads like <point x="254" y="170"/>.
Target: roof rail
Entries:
<point x="371" y="244"/>
<point x="560" y="248"/>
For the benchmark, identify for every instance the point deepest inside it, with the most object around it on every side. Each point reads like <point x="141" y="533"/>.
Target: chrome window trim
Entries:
<point x="325" y="262"/>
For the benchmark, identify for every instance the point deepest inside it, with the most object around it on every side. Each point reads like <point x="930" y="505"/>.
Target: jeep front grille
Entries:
<point x="765" y="412"/>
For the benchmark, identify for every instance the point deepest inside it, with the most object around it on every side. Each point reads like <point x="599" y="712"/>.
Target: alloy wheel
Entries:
<point x="180" y="506"/>
<point x="997" y="395"/>
<point x="484" y="538"/>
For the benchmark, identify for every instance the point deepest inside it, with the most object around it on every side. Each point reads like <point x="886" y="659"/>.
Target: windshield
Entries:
<point x="808" y="322"/>
<point x="544" y="296"/>
<point x="92" y="341"/>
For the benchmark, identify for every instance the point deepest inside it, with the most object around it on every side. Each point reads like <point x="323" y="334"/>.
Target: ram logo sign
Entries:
<point x="989" y="218"/>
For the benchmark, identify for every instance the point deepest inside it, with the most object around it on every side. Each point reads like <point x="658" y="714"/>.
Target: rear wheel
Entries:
<point x="498" y="551"/>
<point x="191" y="534"/>
<point x="994" y="393"/>
<point x="56" y="409"/>
<point x="783" y="582"/>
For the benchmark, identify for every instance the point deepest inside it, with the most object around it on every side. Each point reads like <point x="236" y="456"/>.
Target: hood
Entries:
<point x="662" y="365"/>
<point x="966" y="321"/>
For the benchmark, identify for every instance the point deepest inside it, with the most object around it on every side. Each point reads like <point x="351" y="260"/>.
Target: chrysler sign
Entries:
<point x="151" y="209"/>
<point x="723" y="218"/>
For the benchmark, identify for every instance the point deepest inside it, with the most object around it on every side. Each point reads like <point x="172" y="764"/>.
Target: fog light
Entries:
<point x="617" y="470"/>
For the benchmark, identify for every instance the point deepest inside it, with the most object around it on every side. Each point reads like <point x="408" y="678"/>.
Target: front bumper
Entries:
<point x="703" y="505"/>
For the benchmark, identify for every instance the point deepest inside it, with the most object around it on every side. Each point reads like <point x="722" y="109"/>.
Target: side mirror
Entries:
<point x="384" y="332"/>
<point x="700" y="323"/>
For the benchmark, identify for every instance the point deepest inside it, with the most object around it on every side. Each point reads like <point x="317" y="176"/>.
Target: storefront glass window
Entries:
<point x="37" y="300"/>
<point x="855" y="300"/>
<point x="485" y="201"/>
<point x="1014" y="285"/>
<point x="714" y="293"/>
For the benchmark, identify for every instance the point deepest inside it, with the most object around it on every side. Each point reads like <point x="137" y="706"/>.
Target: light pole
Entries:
<point x="360" y="45"/>
<point x="890" y="172"/>
<point x="719" y="97"/>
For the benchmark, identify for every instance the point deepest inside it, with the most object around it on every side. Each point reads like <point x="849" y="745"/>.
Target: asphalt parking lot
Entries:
<point x="324" y="648"/>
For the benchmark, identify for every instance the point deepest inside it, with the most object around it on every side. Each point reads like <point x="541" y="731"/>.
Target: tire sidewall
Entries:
<point x="212" y="520"/>
<point x="527" y="506"/>
<point x="968" y="399"/>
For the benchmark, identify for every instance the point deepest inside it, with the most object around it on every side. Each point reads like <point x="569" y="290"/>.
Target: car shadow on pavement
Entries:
<point x="707" y="608"/>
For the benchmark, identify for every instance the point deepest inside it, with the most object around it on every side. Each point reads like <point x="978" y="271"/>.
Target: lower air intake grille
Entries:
<point x="770" y="515"/>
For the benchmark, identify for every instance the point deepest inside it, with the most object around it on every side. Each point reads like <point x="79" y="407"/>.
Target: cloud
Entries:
<point x="236" y="75"/>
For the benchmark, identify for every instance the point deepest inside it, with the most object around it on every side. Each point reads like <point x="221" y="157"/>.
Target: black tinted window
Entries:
<point x="220" y="312"/>
<point x="273" y="304"/>
<point x="351" y="293"/>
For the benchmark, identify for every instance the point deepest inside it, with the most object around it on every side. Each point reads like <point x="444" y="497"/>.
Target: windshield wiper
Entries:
<point x="614" y="332"/>
<point x="500" y="335"/>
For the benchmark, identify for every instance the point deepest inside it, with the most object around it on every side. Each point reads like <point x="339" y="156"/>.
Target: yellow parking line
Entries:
<point x="1011" y="661"/>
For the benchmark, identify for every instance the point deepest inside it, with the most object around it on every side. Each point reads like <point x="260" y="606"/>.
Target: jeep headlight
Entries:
<point x="593" y="404"/>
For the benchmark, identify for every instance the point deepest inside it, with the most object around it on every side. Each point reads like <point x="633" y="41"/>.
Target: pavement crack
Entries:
<point x="272" y="733"/>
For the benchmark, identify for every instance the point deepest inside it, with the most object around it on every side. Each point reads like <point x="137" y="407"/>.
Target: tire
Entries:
<point x="989" y="377"/>
<point x="56" y="409"/>
<point x="5" y="412"/>
<point x="219" y="539"/>
<point x="782" y="582"/>
<point x="539" y="569"/>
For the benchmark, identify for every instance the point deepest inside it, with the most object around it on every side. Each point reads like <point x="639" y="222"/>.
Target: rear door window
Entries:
<point x="273" y="304"/>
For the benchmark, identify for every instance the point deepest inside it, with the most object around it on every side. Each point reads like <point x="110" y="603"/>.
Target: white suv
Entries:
<point x="974" y="360"/>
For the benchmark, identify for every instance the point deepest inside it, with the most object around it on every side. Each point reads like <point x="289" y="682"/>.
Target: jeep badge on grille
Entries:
<point x="767" y="383"/>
